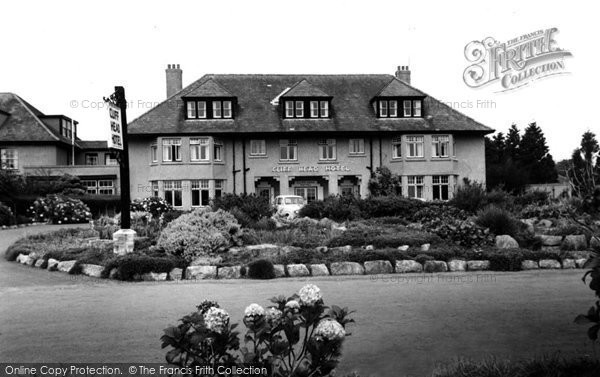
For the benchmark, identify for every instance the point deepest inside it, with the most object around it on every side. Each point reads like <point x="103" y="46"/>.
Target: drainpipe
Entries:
<point x="233" y="171"/>
<point x="244" y="170"/>
<point x="380" y="156"/>
<point x="371" y="154"/>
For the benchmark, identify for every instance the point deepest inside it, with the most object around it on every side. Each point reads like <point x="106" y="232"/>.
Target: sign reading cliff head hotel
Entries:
<point x="515" y="63"/>
<point x="115" y="138"/>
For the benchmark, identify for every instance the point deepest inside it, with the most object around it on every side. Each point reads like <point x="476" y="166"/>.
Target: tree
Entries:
<point x="583" y="173"/>
<point x="512" y="143"/>
<point x="534" y="157"/>
<point x="384" y="183"/>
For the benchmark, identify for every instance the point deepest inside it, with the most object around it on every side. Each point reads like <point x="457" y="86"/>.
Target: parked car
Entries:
<point x="288" y="205"/>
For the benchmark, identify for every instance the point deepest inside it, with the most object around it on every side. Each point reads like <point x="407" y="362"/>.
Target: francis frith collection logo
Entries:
<point x="515" y="63"/>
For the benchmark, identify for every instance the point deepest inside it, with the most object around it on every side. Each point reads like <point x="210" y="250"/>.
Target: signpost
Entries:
<point x="117" y="111"/>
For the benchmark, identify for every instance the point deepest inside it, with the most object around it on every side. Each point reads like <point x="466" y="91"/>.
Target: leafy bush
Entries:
<point x="535" y="197"/>
<point x="42" y="244"/>
<point x="200" y="233"/>
<point x="379" y="237"/>
<point x="60" y="210"/>
<point x="337" y="208"/>
<point x="470" y="196"/>
<point x="154" y="205"/>
<point x="553" y="210"/>
<point x="344" y="208"/>
<point x="261" y="269"/>
<point x="167" y="217"/>
<point x="138" y="263"/>
<point x="274" y="338"/>
<point x="6" y="215"/>
<point x="250" y="208"/>
<point x="499" y="198"/>
<point x="393" y="205"/>
<point x="384" y="183"/>
<point x="498" y="220"/>
<point x="437" y="211"/>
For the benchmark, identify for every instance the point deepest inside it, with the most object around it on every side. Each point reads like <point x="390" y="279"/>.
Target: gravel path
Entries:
<point x="405" y="323"/>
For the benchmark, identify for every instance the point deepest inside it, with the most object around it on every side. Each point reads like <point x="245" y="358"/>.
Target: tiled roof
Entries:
<point x="397" y="88"/>
<point x="305" y="89"/>
<point x="23" y="122"/>
<point x="351" y="108"/>
<point x="209" y="88"/>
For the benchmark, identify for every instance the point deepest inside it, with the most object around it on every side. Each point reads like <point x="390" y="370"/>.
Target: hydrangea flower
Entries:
<point x="310" y="294"/>
<point x="216" y="319"/>
<point x="330" y="329"/>
<point x="292" y="305"/>
<point x="274" y="316"/>
<point x="254" y="310"/>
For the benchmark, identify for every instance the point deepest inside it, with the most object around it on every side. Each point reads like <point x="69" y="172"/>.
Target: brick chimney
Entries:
<point x="403" y="74"/>
<point x="174" y="82"/>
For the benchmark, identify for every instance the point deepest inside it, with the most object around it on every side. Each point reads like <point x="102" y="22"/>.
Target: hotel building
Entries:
<point x="309" y="135"/>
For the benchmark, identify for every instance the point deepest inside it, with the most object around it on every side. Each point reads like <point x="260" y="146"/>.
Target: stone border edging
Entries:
<point x="9" y="227"/>
<point x="376" y="267"/>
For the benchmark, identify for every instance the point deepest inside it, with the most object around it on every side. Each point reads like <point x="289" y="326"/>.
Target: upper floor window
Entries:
<point x="9" y="159"/>
<point x="110" y="159"/>
<point x="388" y="108"/>
<point x="217" y="150"/>
<point x="171" y="150"/>
<point x="199" y="149"/>
<point x="288" y="150"/>
<point x="154" y="152"/>
<point x="66" y="128"/>
<point x="412" y="108"/>
<point x="91" y="158"/>
<point x="298" y="109"/>
<point x="397" y="147"/>
<point x="440" y="145"/>
<point x="357" y="146"/>
<point x="319" y="109"/>
<point x="414" y="146"/>
<point x="327" y="149"/>
<point x="258" y="148"/>
<point x="219" y="109"/>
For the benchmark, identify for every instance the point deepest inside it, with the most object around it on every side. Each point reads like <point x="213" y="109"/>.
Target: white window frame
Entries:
<point x="288" y="145"/>
<point x="171" y="149"/>
<point x="9" y="159"/>
<point x="91" y="186"/>
<point x="89" y="158"/>
<point x="314" y="109"/>
<point x="438" y="181"/>
<point x="393" y="108"/>
<point x="219" y="186"/>
<point x="414" y="146"/>
<point x="415" y="182"/>
<point x="106" y="187"/>
<point x="299" y="109"/>
<point x="258" y="147"/>
<point x="172" y="187"/>
<point x="227" y="111"/>
<point x="327" y="150"/>
<point x="201" y="186"/>
<point x="199" y="146"/>
<point x="417" y="108"/>
<point x="440" y="145"/>
<point x="217" y="109"/>
<point x="191" y="110"/>
<point x="407" y="108"/>
<point x="383" y="108"/>
<point x="353" y="143"/>
<point x="397" y="147"/>
<point x="218" y="150"/>
<point x="154" y="188"/>
<point x="154" y="153"/>
<point x="289" y="109"/>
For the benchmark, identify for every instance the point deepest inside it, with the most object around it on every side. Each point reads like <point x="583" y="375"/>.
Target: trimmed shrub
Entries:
<point x="60" y="210"/>
<point x="6" y="216"/>
<point x="381" y="206"/>
<point x="261" y="269"/>
<point x="498" y="220"/>
<point x="135" y="263"/>
<point x="357" y="236"/>
<point x="200" y="233"/>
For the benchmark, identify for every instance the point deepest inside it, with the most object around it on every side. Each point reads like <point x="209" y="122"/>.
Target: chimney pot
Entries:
<point x="174" y="79"/>
<point x="403" y="74"/>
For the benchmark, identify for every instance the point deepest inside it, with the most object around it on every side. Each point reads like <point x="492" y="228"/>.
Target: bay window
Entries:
<point x="173" y="193"/>
<point x="415" y="186"/>
<point x="200" y="193"/>
<point x="397" y="147"/>
<point x="199" y="149"/>
<point x="440" y="145"/>
<point x="217" y="150"/>
<point x="440" y="187"/>
<point x="414" y="146"/>
<point x="171" y="150"/>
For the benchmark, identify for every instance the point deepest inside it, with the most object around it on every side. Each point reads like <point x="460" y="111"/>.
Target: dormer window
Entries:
<point x="389" y="108"/>
<point x="209" y="109"/>
<point x="297" y="108"/>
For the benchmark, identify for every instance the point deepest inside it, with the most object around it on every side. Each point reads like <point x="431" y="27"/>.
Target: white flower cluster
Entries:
<point x="309" y="295"/>
<point x="330" y="329"/>
<point x="274" y="316"/>
<point x="216" y="319"/>
<point x="292" y="305"/>
<point x="254" y="310"/>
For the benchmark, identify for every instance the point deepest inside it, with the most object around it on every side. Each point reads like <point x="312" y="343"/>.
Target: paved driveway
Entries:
<point x="405" y="323"/>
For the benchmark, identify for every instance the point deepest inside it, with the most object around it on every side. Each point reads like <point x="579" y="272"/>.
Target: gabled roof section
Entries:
<point x="23" y="122"/>
<point x="397" y="88"/>
<point x="305" y="89"/>
<point x="210" y="88"/>
<point x="351" y="106"/>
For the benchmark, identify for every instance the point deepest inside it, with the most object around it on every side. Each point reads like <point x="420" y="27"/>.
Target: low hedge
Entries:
<point x="137" y="263"/>
<point x="44" y="243"/>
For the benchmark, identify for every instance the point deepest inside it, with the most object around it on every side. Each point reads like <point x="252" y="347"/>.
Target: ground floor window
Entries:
<point x="264" y="192"/>
<point x="200" y="193"/>
<point x="350" y="190"/>
<point x="155" y="188"/>
<point x="9" y="159"/>
<point x="219" y="184"/>
<point x="440" y="187"/>
<point x="415" y="186"/>
<point x="91" y="187"/>
<point x="173" y="193"/>
<point x="100" y="186"/>
<point x="308" y="193"/>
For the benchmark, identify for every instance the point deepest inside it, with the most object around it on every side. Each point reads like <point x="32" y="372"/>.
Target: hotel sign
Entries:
<point x="115" y="138"/>
<point x="310" y="169"/>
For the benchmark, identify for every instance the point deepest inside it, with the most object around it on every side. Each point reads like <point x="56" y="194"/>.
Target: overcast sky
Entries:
<point x="63" y="57"/>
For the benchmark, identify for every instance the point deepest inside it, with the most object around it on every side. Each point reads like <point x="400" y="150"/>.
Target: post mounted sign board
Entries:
<point x="115" y="138"/>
